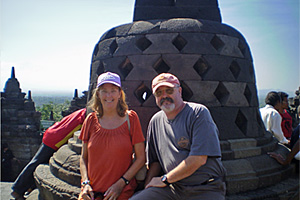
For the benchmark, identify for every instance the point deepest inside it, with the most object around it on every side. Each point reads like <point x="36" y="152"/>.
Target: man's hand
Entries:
<point x="156" y="182"/>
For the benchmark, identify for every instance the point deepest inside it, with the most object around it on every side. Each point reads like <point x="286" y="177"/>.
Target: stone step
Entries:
<point x="251" y="182"/>
<point x="284" y="190"/>
<point x="63" y="174"/>
<point x="74" y="146"/>
<point x="251" y="173"/>
<point x="75" y="137"/>
<point x="244" y="148"/>
<point x="64" y="164"/>
<point x="52" y="188"/>
<point x="75" y="143"/>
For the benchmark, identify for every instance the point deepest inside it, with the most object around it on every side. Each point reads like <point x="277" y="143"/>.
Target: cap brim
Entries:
<point x="111" y="82"/>
<point x="162" y="84"/>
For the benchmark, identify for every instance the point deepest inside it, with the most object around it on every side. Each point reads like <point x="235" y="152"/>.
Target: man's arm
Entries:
<point x="277" y="131"/>
<point x="289" y="157"/>
<point x="186" y="168"/>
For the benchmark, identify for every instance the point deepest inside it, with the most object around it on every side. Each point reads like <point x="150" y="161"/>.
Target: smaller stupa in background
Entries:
<point x="20" y="123"/>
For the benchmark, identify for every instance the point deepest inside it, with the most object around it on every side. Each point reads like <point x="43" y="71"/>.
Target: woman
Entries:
<point x="106" y="159"/>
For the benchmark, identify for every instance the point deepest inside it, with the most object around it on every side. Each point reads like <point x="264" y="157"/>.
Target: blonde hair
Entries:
<point x="96" y="105"/>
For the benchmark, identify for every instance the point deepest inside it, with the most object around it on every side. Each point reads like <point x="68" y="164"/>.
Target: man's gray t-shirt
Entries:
<point x="192" y="132"/>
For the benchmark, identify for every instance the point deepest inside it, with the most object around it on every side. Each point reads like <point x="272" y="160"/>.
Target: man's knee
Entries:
<point x="152" y="193"/>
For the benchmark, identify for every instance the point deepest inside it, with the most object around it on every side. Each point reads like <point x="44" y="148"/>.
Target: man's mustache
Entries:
<point x="166" y="99"/>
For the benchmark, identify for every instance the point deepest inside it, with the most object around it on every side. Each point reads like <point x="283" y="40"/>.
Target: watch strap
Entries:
<point x="164" y="179"/>
<point x="125" y="180"/>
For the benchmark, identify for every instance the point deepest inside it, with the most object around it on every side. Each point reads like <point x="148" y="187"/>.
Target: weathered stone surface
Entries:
<point x="126" y="46"/>
<point x="142" y="69"/>
<point x="52" y="188"/>
<point x="20" y="123"/>
<point x="161" y="43"/>
<point x="166" y="12"/>
<point x="198" y="43"/>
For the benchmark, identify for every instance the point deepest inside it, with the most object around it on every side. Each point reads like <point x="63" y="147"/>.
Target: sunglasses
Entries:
<point x="169" y="91"/>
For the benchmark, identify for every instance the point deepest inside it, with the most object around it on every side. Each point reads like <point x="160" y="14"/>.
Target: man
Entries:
<point x="53" y="138"/>
<point x="294" y="154"/>
<point x="271" y="118"/>
<point x="286" y="123"/>
<point x="183" y="145"/>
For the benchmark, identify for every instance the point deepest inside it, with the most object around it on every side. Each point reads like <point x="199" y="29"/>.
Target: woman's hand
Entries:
<point x="87" y="193"/>
<point x="114" y="191"/>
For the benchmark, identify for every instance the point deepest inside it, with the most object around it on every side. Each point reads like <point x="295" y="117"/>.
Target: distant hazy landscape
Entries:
<point x="55" y="99"/>
<point x="44" y="98"/>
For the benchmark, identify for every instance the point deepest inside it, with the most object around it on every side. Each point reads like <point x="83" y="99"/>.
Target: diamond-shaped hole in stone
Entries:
<point x="201" y="67"/>
<point x="142" y="93"/>
<point x="161" y="66"/>
<point x="179" y="42"/>
<point x="217" y="43"/>
<point x="143" y="43"/>
<point x="113" y="46"/>
<point x="248" y="94"/>
<point x="221" y="93"/>
<point x="126" y="67"/>
<point x="241" y="122"/>
<point x="187" y="93"/>
<point x="235" y="69"/>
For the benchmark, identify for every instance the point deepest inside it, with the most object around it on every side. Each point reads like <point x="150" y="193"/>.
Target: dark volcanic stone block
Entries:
<point x="142" y="67"/>
<point x="126" y="46"/>
<point x="225" y="118"/>
<point x="161" y="43"/>
<point x="198" y="43"/>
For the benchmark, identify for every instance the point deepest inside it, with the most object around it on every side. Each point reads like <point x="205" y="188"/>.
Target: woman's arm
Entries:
<point x="87" y="192"/>
<point x="115" y="190"/>
<point x="154" y="170"/>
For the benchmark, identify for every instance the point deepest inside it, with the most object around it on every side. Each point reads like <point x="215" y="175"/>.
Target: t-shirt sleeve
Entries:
<point x="135" y="128"/>
<point x="205" y="140"/>
<point x="84" y="133"/>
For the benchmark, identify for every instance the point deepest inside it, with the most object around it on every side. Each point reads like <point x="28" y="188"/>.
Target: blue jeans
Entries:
<point x="25" y="179"/>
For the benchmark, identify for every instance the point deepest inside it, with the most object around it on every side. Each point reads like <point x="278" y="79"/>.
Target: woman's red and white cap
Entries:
<point x="164" y="79"/>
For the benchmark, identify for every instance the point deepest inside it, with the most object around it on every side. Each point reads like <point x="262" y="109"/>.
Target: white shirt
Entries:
<point x="272" y="121"/>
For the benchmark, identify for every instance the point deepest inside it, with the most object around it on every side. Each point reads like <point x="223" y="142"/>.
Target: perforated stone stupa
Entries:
<point x="214" y="64"/>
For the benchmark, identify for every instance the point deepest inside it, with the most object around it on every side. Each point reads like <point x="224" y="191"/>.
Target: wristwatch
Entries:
<point x="164" y="179"/>
<point x="125" y="180"/>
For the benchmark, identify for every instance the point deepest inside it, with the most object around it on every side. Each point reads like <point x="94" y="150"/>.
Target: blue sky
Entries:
<point x="50" y="43"/>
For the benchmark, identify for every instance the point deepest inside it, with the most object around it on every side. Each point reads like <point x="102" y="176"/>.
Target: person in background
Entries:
<point x="294" y="155"/>
<point x="7" y="157"/>
<point x="53" y="138"/>
<point x="182" y="146"/>
<point x="286" y="123"/>
<point x="109" y="135"/>
<point x="271" y="117"/>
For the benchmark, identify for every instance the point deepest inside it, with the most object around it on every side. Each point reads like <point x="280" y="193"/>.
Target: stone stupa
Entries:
<point x="20" y="123"/>
<point x="214" y="64"/>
